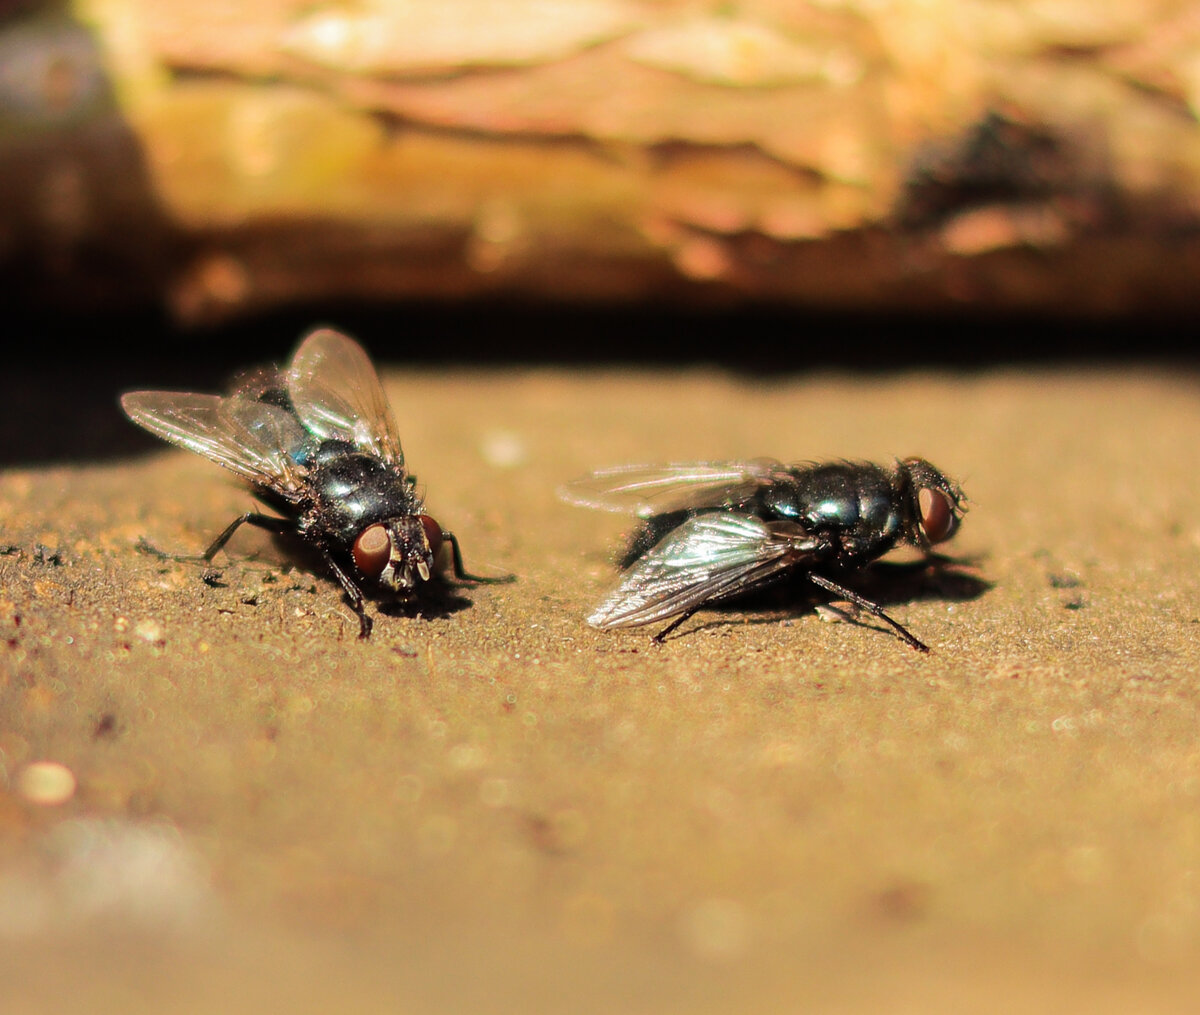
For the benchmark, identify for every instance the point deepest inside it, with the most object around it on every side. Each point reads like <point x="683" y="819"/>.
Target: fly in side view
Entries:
<point x="713" y="531"/>
<point x="317" y="442"/>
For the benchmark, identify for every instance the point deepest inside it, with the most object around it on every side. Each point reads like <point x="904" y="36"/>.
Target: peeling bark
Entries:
<point x="225" y="158"/>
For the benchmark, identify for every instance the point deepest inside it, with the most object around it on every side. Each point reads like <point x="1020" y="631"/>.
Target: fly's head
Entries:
<point x="399" y="553"/>
<point x="935" y="505"/>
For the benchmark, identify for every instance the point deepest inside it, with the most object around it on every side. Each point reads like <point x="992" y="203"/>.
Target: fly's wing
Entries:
<point x="646" y="490"/>
<point x="337" y="395"/>
<point x="707" y="557"/>
<point x="248" y="437"/>
<point x="261" y="384"/>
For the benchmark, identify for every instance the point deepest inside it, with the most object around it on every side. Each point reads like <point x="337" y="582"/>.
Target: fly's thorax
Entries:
<point x="399" y="553"/>
<point x="351" y="491"/>
<point x="851" y="503"/>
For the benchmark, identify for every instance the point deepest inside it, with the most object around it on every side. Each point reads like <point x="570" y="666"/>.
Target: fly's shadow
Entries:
<point x="289" y="557"/>
<point x="892" y="583"/>
<point x="886" y="583"/>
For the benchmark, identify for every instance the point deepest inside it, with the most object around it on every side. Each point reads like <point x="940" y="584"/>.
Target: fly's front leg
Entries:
<point x="872" y="608"/>
<point x="461" y="573"/>
<point x="357" y="601"/>
<point x="279" y="526"/>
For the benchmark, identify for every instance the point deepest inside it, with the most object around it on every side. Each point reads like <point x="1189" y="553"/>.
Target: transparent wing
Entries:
<point x="250" y="438"/>
<point x="337" y="395"/>
<point x="646" y="490"/>
<point x="707" y="557"/>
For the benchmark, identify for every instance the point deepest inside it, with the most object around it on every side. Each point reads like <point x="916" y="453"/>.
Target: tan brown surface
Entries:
<point x="503" y="810"/>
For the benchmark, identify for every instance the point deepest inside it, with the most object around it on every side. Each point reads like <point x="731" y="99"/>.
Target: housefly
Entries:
<point x="713" y="531"/>
<point x="317" y="442"/>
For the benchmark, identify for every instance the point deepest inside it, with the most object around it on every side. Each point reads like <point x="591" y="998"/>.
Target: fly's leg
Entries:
<point x="872" y="608"/>
<point x="460" y="571"/>
<point x="749" y="582"/>
<point x="280" y="526"/>
<point x="143" y="545"/>
<point x="659" y="638"/>
<point x="357" y="602"/>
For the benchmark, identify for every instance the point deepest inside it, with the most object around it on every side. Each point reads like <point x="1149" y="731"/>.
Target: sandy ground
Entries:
<point x="503" y="810"/>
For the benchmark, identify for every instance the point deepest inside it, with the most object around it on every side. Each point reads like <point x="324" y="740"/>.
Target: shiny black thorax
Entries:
<point x="349" y="491"/>
<point x="344" y="492"/>
<point x="854" y="510"/>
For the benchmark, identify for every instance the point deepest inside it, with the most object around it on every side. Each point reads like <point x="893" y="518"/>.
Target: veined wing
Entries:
<point x="707" y="557"/>
<point x="337" y="395"/>
<point x="250" y="438"/>
<point x="646" y="490"/>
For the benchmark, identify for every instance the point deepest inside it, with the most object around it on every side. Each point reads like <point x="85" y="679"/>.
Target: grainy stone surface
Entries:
<point x="504" y="810"/>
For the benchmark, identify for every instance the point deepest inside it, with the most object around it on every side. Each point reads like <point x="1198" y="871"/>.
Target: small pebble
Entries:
<point x="150" y="630"/>
<point x="46" y="782"/>
<point x="503" y="449"/>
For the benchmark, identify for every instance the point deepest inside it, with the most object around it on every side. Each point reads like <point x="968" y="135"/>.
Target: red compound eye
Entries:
<point x="937" y="515"/>
<point x="433" y="533"/>
<point x="372" y="550"/>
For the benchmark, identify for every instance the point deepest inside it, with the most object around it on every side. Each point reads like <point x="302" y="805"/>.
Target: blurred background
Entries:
<point x="768" y="184"/>
<point x="927" y="201"/>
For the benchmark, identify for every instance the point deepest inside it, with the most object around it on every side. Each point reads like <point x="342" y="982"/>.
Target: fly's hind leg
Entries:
<point x="661" y="637"/>
<point x="143" y="545"/>
<point x="460" y="571"/>
<point x="279" y="526"/>
<point x="872" y="608"/>
<point x="210" y="575"/>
